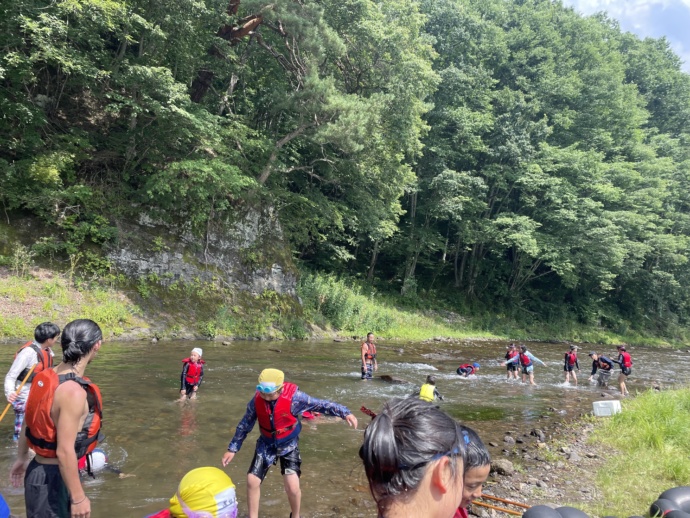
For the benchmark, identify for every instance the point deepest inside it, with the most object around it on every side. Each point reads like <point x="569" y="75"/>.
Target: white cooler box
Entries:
<point x="606" y="408"/>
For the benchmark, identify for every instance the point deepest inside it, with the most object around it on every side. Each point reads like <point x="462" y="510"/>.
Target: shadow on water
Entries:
<point x="157" y="440"/>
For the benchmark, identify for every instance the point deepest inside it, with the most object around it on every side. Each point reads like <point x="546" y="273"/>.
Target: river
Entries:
<point x="158" y="440"/>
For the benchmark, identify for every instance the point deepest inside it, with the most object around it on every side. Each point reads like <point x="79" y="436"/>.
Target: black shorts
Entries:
<point x="511" y="367"/>
<point x="189" y="389"/>
<point x="45" y="493"/>
<point x="290" y="461"/>
<point x="625" y="371"/>
<point x="568" y="368"/>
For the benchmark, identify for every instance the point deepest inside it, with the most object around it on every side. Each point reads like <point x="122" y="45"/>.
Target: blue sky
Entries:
<point x="647" y="18"/>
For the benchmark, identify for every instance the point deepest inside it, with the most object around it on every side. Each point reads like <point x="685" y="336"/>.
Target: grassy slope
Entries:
<point x="330" y="307"/>
<point x="648" y="444"/>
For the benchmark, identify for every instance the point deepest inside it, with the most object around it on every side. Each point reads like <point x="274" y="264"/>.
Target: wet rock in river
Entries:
<point x="508" y="440"/>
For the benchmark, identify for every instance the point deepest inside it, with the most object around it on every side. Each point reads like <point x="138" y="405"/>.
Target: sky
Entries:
<point x="647" y="18"/>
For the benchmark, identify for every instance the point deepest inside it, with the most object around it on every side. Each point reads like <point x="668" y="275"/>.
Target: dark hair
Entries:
<point x="476" y="454"/>
<point x="431" y="379"/>
<point x="401" y="442"/>
<point x="523" y="347"/>
<point x="78" y="338"/>
<point x="45" y="331"/>
<point x="369" y="334"/>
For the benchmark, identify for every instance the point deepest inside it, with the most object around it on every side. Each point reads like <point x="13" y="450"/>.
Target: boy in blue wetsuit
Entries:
<point x="603" y="364"/>
<point x="277" y="405"/>
<point x="527" y="361"/>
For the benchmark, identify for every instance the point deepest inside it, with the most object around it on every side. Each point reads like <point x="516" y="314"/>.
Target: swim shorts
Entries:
<point x="189" y="389"/>
<point x="368" y="371"/>
<point x="625" y="371"/>
<point x="45" y="493"/>
<point x="511" y="367"/>
<point x="604" y="377"/>
<point x="290" y="463"/>
<point x="568" y="368"/>
<point x="528" y="369"/>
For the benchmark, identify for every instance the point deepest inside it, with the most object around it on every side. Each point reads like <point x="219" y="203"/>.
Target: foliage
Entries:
<point x="656" y="446"/>
<point x="512" y="157"/>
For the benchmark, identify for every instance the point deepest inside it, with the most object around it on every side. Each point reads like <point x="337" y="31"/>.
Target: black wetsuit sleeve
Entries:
<point x="594" y="367"/>
<point x="438" y="394"/>
<point x="619" y="361"/>
<point x="183" y="375"/>
<point x="577" y="364"/>
<point x="201" y="376"/>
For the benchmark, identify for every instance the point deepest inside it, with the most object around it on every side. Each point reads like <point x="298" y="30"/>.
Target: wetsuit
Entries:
<point x="267" y="451"/>
<point x="510" y="354"/>
<point x="570" y="362"/>
<point x="187" y="381"/>
<point x="466" y="369"/>
<point x="603" y="364"/>
<point x="625" y="362"/>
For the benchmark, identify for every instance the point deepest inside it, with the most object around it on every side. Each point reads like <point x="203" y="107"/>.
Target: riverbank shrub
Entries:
<point x="652" y="442"/>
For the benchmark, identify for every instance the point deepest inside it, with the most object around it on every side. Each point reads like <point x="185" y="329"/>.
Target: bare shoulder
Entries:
<point x="70" y="394"/>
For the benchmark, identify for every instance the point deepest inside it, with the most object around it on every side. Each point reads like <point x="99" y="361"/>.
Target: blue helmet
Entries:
<point x="475" y="365"/>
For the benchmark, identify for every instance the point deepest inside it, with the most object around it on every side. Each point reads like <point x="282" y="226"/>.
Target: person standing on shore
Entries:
<point x="625" y="362"/>
<point x="38" y="353"/>
<point x="570" y="364"/>
<point x="62" y="423"/>
<point x="369" y="363"/>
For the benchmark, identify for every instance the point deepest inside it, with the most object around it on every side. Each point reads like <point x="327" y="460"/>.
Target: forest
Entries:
<point x="498" y="156"/>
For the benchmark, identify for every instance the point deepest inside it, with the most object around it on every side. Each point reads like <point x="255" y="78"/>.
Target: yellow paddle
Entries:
<point x="19" y="390"/>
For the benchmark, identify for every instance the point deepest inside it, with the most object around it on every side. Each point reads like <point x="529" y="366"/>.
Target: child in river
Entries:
<point x="467" y="369"/>
<point x="429" y="392"/>
<point x="570" y="364"/>
<point x="477" y="467"/>
<point x="276" y="405"/>
<point x="192" y="374"/>
<point x="511" y="368"/>
<point x="527" y="361"/>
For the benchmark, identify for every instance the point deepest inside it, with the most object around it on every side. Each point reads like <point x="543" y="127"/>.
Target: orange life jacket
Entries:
<point x="41" y="433"/>
<point x="44" y="357"/>
<point x="193" y="371"/>
<point x="371" y="351"/>
<point x="275" y="419"/>
<point x="627" y="359"/>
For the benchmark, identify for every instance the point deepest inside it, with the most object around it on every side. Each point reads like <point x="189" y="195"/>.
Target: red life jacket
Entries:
<point x="41" y="433"/>
<point x="275" y="419"/>
<point x="511" y="354"/>
<point x="468" y="366"/>
<point x="572" y="358"/>
<point x="193" y="371"/>
<point x="371" y="351"/>
<point x="524" y="360"/>
<point x="627" y="360"/>
<point x="44" y="361"/>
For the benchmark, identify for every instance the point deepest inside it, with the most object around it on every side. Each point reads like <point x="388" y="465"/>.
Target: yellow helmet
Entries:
<point x="204" y="492"/>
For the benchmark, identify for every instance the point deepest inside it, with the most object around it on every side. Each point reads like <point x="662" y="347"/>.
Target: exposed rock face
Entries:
<point x="248" y="255"/>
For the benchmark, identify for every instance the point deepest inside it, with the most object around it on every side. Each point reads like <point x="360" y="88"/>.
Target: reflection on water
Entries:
<point x="158" y="440"/>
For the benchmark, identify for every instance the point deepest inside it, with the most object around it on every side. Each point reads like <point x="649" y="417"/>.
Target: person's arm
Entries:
<point x="438" y="394"/>
<point x="69" y="408"/>
<point x="619" y="361"/>
<point x="363" y="350"/>
<point x="577" y="365"/>
<point x="185" y="366"/>
<point x="514" y="359"/>
<point x="201" y="376"/>
<point x="18" y="469"/>
<point x="595" y="366"/>
<point x="535" y="359"/>
<point x="21" y="362"/>
<point x="302" y="402"/>
<point x="243" y="428"/>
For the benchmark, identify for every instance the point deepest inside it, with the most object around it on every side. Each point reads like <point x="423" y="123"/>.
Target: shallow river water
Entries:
<point x="157" y="440"/>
